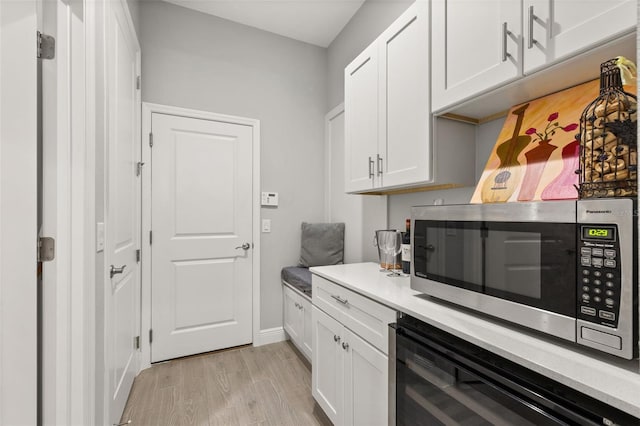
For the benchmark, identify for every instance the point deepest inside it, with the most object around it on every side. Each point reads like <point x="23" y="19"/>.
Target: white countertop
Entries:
<point x="615" y="382"/>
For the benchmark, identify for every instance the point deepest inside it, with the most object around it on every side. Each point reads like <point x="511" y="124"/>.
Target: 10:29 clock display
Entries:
<point x="598" y="233"/>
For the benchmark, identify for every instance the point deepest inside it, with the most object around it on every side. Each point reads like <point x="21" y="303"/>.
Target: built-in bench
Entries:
<point x="299" y="278"/>
<point x="320" y="244"/>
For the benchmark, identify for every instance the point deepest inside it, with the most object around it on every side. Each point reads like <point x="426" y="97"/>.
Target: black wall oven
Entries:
<point x="565" y="268"/>
<point x="438" y="379"/>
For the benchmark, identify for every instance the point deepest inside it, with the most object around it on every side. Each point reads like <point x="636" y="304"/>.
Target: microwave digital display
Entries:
<point x="607" y="233"/>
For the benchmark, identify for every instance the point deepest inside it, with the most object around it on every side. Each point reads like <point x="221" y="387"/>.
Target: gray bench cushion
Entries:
<point x="298" y="277"/>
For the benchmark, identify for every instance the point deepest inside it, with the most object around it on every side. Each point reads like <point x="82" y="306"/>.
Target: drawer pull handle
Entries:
<point x="340" y="299"/>
<point x="345" y="346"/>
<point x="336" y="338"/>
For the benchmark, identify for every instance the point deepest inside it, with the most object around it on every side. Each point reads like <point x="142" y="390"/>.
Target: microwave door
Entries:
<point x="451" y="252"/>
<point x="514" y="262"/>
<point x="528" y="263"/>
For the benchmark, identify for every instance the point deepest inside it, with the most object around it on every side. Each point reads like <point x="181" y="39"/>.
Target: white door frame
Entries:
<point x="328" y="151"/>
<point x="68" y="370"/>
<point x="18" y="219"/>
<point x="147" y="110"/>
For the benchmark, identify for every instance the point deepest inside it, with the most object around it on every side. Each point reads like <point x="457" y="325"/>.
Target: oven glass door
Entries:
<point x="432" y="390"/>
<point x="525" y="262"/>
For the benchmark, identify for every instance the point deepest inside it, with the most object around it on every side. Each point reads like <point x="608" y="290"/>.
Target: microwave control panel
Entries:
<point x="599" y="280"/>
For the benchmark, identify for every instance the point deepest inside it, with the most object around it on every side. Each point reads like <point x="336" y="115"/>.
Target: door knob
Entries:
<point x="114" y="271"/>
<point x="245" y="246"/>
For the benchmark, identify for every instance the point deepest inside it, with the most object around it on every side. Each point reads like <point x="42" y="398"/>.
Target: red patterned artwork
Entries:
<point x="536" y="155"/>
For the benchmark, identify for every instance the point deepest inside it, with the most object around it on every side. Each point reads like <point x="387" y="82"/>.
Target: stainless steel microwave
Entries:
<point x="566" y="268"/>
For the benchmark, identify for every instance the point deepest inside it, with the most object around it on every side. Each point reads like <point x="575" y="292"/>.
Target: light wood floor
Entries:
<point x="267" y="385"/>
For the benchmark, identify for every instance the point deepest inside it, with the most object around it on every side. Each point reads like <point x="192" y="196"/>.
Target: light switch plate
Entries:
<point x="99" y="237"/>
<point x="269" y="199"/>
<point x="266" y="225"/>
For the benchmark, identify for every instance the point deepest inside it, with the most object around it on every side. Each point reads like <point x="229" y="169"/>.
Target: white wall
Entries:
<point x="134" y="10"/>
<point x="198" y="61"/>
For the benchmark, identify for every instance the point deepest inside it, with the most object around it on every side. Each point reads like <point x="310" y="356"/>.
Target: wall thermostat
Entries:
<point x="269" y="198"/>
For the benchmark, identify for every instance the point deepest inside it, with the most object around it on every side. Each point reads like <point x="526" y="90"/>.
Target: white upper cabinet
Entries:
<point x="387" y="113"/>
<point x="556" y="29"/>
<point x="404" y="140"/>
<point x="361" y="120"/>
<point x="476" y="46"/>
<point x="480" y="45"/>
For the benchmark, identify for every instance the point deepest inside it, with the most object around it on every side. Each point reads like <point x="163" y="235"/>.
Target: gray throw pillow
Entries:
<point x="322" y="244"/>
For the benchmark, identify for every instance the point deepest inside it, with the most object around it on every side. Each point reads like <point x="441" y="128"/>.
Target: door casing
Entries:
<point x="147" y="110"/>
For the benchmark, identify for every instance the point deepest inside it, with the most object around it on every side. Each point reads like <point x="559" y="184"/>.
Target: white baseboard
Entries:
<point x="270" y="335"/>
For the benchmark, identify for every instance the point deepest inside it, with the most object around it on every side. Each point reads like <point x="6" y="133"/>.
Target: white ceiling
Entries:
<point x="313" y="21"/>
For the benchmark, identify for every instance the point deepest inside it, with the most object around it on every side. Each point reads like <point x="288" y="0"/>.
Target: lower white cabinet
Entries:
<point x="350" y="376"/>
<point x="297" y="320"/>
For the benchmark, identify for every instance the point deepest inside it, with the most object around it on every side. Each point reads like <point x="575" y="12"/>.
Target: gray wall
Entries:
<point x="202" y="62"/>
<point x="366" y="25"/>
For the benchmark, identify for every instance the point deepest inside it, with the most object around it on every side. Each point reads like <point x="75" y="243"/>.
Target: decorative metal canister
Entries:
<point x="608" y="140"/>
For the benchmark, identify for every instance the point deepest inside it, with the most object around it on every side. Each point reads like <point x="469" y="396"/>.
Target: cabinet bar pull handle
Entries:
<point x="505" y="33"/>
<point x="532" y="18"/>
<point x="340" y="299"/>
<point x="370" y="168"/>
<point x="379" y="164"/>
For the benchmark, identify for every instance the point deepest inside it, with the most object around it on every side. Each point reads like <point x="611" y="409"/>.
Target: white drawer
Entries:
<point x="369" y="319"/>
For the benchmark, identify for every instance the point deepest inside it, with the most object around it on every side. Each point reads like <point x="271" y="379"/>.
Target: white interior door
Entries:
<point x="18" y="141"/>
<point x="201" y="216"/>
<point x="123" y="207"/>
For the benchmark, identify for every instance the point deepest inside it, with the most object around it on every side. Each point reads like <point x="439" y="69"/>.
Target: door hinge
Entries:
<point x="139" y="168"/>
<point x="46" y="46"/>
<point x="150" y="237"/>
<point x="151" y="139"/>
<point x="138" y="84"/>
<point x="136" y="342"/>
<point x="150" y="336"/>
<point x="46" y="249"/>
<point x="138" y="256"/>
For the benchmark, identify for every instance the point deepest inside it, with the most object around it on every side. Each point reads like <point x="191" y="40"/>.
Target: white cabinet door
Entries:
<point x="556" y="29"/>
<point x="361" y="120"/>
<point x="327" y="375"/>
<point x="292" y="315"/>
<point x="404" y="138"/>
<point x="366" y="372"/>
<point x="477" y="45"/>
<point x="306" y="330"/>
